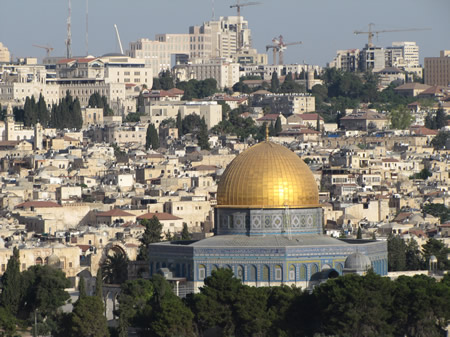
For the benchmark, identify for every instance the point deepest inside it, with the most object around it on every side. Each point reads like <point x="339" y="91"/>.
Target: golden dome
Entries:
<point x="267" y="175"/>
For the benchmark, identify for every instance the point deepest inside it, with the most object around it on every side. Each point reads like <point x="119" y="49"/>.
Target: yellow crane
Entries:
<point x="238" y="6"/>
<point x="371" y="33"/>
<point x="47" y="48"/>
<point x="279" y="46"/>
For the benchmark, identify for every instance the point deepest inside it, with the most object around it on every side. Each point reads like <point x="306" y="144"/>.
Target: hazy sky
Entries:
<point x="324" y="26"/>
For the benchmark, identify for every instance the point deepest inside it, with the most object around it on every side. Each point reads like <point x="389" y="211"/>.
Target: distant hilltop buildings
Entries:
<point x="401" y="55"/>
<point x="5" y="56"/>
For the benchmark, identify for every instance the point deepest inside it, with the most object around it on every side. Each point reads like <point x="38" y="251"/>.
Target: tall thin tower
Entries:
<point x="87" y="27"/>
<point x="69" y="32"/>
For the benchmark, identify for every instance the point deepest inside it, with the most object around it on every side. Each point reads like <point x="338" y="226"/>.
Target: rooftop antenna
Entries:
<point x="87" y="27"/>
<point x="69" y="32"/>
<point x="213" y="12"/>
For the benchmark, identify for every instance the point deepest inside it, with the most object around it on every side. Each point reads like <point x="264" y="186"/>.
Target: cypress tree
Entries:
<point x="81" y="288"/>
<point x="359" y="234"/>
<point x="99" y="283"/>
<point x="179" y="124"/>
<point x="77" y="118"/>
<point x="278" y="127"/>
<point x="28" y="112"/>
<point x="151" y="138"/>
<point x="274" y="83"/>
<point x="43" y="116"/>
<point x="202" y="137"/>
<point x="11" y="280"/>
<point x="185" y="235"/>
<point x="318" y="123"/>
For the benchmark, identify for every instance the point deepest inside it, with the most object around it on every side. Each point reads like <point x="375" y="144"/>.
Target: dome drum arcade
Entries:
<point x="268" y="224"/>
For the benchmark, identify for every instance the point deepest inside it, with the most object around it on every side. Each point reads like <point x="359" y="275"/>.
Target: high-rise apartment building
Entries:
<point x="437" y="69"/>
<point x="402" y="54"/>
<point x="371" y="58"/>
<point x="5" y="56"/>
<point x="158" y="53"/>
<point x="347" y="60"/>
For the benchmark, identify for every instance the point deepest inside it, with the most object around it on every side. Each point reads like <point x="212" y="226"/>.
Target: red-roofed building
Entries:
<point x="271" y="118"/>
<point x="170" y="222"/>
<point x="422" y="131"/>
<point x="114" y="216"/>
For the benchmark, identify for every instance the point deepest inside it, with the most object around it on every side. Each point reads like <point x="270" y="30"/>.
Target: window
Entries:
<point x="201" y="272"/>
<point x="292" y="272"/>
<point x="303" y="272"/>
<point x="70" y="264"/>
<point x="265" y="273"/>
<point x="252" y="271"/>
<point x="278" y="273"/>
<point x="39" y="261"/>
<point x="240" y="273"/>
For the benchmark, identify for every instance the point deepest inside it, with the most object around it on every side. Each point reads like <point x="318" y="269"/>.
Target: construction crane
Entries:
<point x="371" y="33"/>
<point x="279" y="46"/>
<point x="47" y="48"/>
<point x="118" y="39"/>
<point x="238" y="6"/>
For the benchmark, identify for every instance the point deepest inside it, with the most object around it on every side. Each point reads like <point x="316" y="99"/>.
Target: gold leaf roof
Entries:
<point x="267" y="175"/>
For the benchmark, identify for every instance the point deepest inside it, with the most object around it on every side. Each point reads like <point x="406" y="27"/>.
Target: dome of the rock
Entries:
<point x="267" y="175"/>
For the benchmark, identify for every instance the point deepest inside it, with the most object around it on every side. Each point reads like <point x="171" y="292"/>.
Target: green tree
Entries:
<point x="185" y="235"/>
<point x="438" y="249"/>
<point x="440" y="141"/>
<point x="168" y="317"/>
<point x="44" y="289"/>
<point x="81" y="288"/>
<point x="359" y="234"/>
<point x="396" y="253"/>
<point x="274" y="83"/>
<point x="278" y="128"/>
<point x="438" y="210"/>
<point x="43" y="116"/>
<point x="420" y="306"/>
<point x="88" y="319"/>
<point x="140" y="102"/>
<point x="166" y="80"/>
<point x="179" y="124"/>
<point x="414" y="259"/>
<point x="151" y="138"/>
<point x="7" y="322"/>
<point x="214" y="306"/>
<point x="115" y="268"/>
<point x="156" y="84"/>
<point x="400" y="118"/>
<point x="134" y="303"/>
<point x="355" y="306"/>
<point x="12" y="284"/>
<point x="152" y="234"/>
<point x="202" y="136"/>
<point x="99" y="284"/>
<point x="441" y="120"/>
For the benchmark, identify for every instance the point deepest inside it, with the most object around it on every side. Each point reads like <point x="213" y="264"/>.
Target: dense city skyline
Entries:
<point x="323" y="26"/>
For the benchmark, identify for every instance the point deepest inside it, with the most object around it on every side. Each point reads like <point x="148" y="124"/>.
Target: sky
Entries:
<point x="324" y="26"/>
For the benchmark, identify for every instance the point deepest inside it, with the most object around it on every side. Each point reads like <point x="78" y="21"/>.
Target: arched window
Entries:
<point x="252" y="272"/>
<point x="240" y="273"/>
<point x="214" y="267"/>
<point x="278" y="273"/>
<point x="265" y="273"/>
<point x="314" y="268"/>
<point x="39" y="261"/>
<point x="292" y="272"/>
<point x="46" y="260"/>
<point x="303" y="272"/>
<point x="338" y="267"/>
<point x="201" y="272"/>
